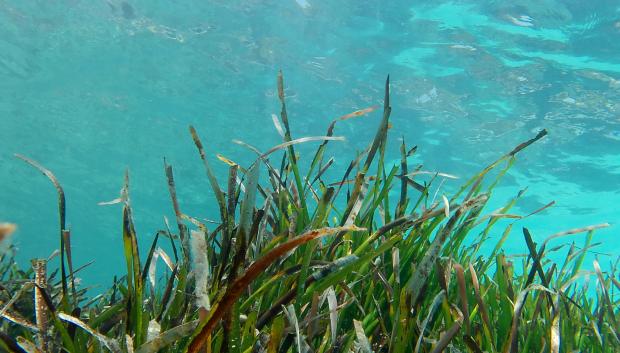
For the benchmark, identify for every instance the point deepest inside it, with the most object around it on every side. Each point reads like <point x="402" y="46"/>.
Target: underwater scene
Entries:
<point x="99" y="96"/>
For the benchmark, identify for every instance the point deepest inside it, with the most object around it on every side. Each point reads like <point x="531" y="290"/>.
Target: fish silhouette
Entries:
<point x="127" y="10"/>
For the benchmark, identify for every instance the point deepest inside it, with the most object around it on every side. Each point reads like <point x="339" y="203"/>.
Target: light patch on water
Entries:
<point x="415" y="55"/>
<point x="427" y="97"/>
<point x="499" y="107"/>
<point x="303" y="4"/>
<point x="368" y="68"/>
<point x="571" y="61"/>
<point x="467" y="17"/>
<point x="430" y="141"/>
<point x="418" y="59"/>
<point x="366" y="26"/>
<point x="614" y="135"/>
<point x="513" y="63"/>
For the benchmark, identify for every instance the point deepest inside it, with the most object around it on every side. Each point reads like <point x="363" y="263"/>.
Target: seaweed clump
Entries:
<point x="288" y="269"/>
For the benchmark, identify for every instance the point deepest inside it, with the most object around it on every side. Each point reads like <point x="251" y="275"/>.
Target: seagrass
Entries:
<point x="307" y="258"/>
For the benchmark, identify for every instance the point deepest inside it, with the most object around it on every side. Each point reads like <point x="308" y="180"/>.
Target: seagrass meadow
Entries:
<point x="374" y="262"/>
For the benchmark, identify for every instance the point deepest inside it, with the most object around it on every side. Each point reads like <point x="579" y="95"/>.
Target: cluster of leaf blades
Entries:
<point x="286" y="269"/>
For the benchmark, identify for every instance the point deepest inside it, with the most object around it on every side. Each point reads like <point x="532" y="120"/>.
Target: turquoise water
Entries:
<point x="90" y="88"/>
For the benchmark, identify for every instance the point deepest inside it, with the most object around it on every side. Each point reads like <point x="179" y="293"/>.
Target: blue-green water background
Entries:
<point x="89" y="88"/>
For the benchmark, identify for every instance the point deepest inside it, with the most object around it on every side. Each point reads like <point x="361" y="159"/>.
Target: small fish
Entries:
<point x="523" y="21"/>
<point x="6" y="229"/>
<point x="358" y="113"/>
<point x="464" y="47"/>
